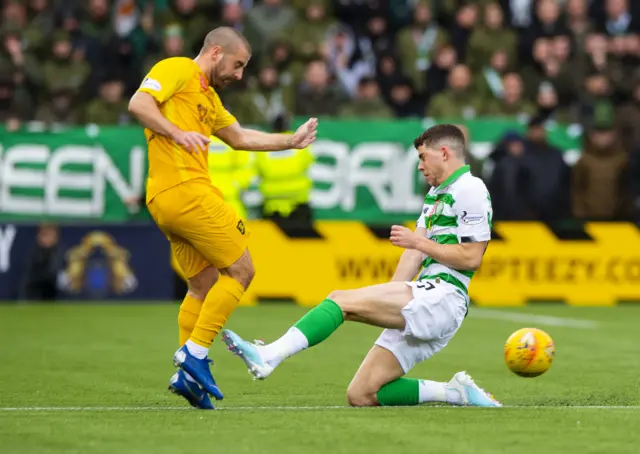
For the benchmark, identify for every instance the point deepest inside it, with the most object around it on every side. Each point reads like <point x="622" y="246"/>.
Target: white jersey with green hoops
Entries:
<point x="457" y="211"/>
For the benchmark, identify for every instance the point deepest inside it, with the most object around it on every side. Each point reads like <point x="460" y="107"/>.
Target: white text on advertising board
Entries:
<point x="47" y="172"/>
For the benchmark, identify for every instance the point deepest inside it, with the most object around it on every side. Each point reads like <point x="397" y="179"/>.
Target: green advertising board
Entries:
<point x="364" y="170"/>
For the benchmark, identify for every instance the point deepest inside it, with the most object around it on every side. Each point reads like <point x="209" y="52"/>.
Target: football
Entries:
<point x="529" y="352"/>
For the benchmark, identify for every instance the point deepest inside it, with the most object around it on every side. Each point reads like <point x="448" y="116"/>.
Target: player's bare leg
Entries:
<point x="380" y="381"/>
<point x="378" y="368"/>
<point x="378" y="305"/>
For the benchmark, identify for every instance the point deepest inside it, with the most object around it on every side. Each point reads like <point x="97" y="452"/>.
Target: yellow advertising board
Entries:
<point x="528" y="263"/>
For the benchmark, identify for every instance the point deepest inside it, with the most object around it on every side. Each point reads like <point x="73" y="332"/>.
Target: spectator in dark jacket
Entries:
<point x="41" y="275"/>
<point x="550" y="175"/>
<point x="509" y="185"/>
<point x="599" y="177"/>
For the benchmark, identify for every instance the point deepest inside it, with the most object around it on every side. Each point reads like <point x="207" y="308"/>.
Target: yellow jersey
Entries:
<point x="186" y="99"/>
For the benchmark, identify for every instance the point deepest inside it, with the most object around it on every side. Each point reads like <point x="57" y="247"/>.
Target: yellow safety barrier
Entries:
<point x="528" y="264"/>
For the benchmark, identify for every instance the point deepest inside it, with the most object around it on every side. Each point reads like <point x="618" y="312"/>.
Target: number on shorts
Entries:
<point x="423" y="285"/>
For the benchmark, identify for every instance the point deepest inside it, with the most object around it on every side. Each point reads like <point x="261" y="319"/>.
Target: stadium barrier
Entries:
<point x="525" y="262"/>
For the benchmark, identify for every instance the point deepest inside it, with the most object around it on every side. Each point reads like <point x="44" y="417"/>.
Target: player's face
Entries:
<point x="229" y="67"/>
<point x="431" y="164"/>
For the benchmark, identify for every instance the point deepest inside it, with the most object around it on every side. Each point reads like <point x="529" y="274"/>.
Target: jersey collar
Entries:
<point x="454" y="176"/>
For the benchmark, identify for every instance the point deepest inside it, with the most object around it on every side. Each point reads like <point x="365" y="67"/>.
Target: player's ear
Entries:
<point x="216" y="53"/>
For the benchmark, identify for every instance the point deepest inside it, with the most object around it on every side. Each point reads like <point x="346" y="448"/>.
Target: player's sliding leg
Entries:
<point x="420" y="319"/>
<point x="218" y="305"/>
<point x="378" y="305"/>
<point x="380" y="381"/>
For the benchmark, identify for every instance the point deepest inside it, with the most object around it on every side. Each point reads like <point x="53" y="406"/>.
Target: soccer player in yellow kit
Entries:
<point x="178" y="104"/>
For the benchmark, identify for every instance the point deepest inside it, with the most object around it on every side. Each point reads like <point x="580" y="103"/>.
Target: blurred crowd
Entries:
<point x="73" y="61"/>
<point x="569" y="61"/>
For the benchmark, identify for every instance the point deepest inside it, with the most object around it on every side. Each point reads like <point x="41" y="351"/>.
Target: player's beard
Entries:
<point x="218" y="80"/>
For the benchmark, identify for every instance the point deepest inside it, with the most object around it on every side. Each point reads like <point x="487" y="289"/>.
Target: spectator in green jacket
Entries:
<point x="63" y="70"/>
<point x="512" y="103"/>
<point x="418" y="42"/>
<point x="186" y="13"/>
<point x="264" y="100"/>
<point x="491" y="37"/>
<point x="110" y="108"/>
<point x="308" y="34"/>
<point x="61" y="110"/>
<point x="266" y="22"/>
<point x="459" y="101"/>
<point x="368" y="103"/>
<point x="172" y="46"/>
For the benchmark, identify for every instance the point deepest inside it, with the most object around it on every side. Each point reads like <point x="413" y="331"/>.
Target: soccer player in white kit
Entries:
<point x="419" y="317"/>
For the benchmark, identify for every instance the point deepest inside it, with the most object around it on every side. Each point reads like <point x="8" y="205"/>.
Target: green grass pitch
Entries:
<point x="92" y="379"/>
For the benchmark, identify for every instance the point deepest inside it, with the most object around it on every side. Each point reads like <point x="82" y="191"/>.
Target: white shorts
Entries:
<point x="432" y="318"/>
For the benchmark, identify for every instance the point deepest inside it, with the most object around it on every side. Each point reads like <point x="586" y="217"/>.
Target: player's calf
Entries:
<point x="201" y="283"/>
<point x="358" y="396"/>
<point x="242" y="270"/>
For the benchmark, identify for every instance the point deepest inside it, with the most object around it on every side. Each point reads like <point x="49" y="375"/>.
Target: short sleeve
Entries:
<point x="474" y="213"/>
<point x="421" y="223"/>
<point x="167" y="77"/>
<point x="223" y="117"/>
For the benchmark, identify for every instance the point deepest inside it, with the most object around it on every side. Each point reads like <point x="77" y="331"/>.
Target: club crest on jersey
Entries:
<point x="203" y="83"/>
<point x="434" y="213"/>
<point x="202" y="113"/>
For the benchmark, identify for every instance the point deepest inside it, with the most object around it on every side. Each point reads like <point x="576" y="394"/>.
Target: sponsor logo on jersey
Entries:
<point x="471" y="219"/>
<point x="240" y="226"/>
<point x="151" y="84"/>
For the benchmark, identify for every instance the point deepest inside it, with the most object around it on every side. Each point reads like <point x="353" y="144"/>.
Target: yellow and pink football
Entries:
<point x="529" y="352"/>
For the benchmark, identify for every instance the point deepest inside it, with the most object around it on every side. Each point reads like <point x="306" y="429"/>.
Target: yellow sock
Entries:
<point x="188" y="317"/>
<point x="221" y="300"/>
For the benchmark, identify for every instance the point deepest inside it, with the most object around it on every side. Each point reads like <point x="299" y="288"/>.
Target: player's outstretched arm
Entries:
<point x="463" y="256"/>
<point x="145" y="108"/>
<point x="240" y="138"/>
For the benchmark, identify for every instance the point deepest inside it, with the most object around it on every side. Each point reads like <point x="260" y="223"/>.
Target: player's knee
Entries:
<point x="242" y="271"/>
<point x="358" y="396"/>
<point x="201" y="283"/>
<point x="345" y="300"/>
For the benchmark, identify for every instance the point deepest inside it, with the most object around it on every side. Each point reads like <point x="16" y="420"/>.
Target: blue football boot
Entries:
<point x="472" y="395"/>
<point x="198" y="369"/>
<point x="195" y="395"/>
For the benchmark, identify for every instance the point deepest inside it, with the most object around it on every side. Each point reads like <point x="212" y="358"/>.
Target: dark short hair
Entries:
<point x="438" y="134"/>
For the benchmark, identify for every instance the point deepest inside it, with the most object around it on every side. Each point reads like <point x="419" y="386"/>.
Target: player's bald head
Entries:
<point x="445" y="135"/>
<point x="227" y="38"/>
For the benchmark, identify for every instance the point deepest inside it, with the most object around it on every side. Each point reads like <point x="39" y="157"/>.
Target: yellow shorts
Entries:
<point x="202" y="228"/>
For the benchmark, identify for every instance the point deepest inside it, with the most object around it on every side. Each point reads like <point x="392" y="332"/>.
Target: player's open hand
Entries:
<point x="192" y="141"/>
<point x="404" y="237"/>
<point x="305" y="134"/>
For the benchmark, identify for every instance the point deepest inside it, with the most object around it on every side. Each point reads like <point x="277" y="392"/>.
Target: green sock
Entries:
<point x="403" y="391"/>
<point x="320" y="322"/>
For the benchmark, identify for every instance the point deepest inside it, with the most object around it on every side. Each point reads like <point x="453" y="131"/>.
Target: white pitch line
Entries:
<point x="526" y="317"/>
<point x="298" y="408"/>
